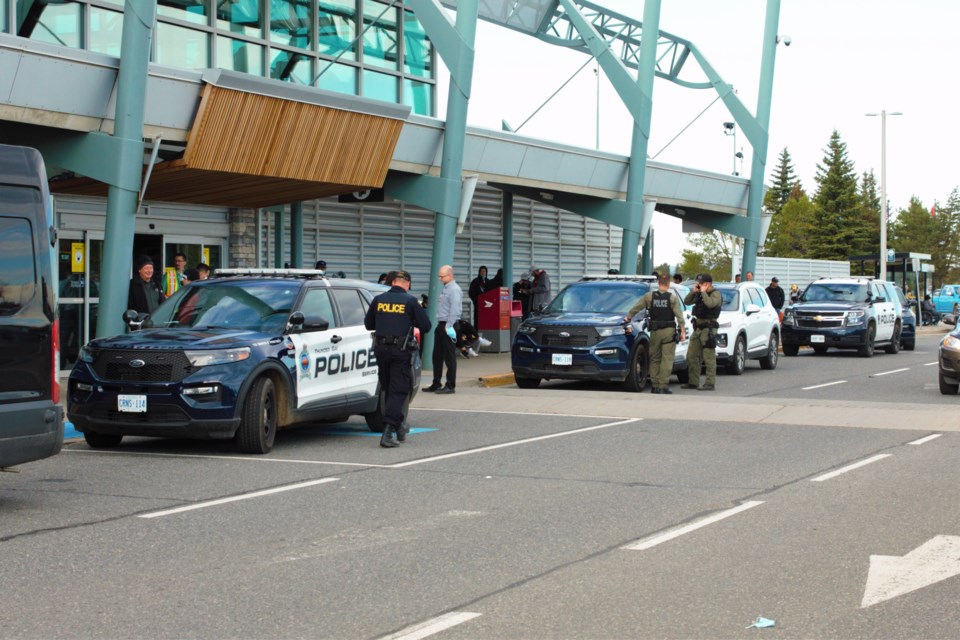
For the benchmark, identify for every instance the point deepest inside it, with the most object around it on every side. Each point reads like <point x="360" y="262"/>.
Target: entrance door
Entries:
<point x="197" y="249"/>
<point x="79" y="258"/>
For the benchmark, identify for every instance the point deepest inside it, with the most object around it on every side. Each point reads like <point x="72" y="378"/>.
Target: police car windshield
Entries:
<point x="598" y="298"/>
<point x="253" y="306"/>
<point x="835" y="292"/>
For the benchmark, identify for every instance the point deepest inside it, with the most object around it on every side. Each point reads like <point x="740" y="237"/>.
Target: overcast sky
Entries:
<point x="847" y="58"/>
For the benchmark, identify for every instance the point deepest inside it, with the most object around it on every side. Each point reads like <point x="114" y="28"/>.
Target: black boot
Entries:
<point x="386" y="440"/>
<point x="402" y="432"/>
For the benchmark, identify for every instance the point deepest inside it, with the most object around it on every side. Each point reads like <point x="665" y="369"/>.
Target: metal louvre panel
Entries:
<point x="486" y="213"/>
<point x="417" y="220"/>
<point x="381" y="253"/>
<point x="382" y="217"/>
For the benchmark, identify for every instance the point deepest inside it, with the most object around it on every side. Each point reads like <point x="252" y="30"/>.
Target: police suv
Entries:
<point x="237" y="356"/>
<point x="843" y="313"/>
<point x="582" y="335"/>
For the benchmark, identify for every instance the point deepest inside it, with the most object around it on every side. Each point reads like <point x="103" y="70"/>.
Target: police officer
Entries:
<point x="665" y="316"/>
<point x="706" y="303"/>
<point x="392" y="316"/>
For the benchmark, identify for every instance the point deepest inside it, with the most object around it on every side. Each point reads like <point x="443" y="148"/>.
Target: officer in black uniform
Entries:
<point x="392" y="316"/>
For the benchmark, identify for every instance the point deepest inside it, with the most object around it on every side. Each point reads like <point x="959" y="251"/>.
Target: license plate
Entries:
<point x="132" y="404"/>
<point x="563" y="359"/>
<point x="818" y="339"/>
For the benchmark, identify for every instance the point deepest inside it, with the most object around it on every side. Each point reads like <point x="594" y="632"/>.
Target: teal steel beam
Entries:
<point x="278" y="238"/>
<point x="612" y="212"/>
<point x="425" y="191"/>
<point x="507" y="238"/>
<point x="647" y="261"/>
<point x="296" y="235"/>
<point x="758" y="167"/>
<point x="733" y="225"/>
<point x="455" y="45"/>
<point x="138" y="20"/>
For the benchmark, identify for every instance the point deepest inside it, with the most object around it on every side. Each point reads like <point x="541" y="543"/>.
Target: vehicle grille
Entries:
<point x="818" y="321"/>
<point x="156" y="415"/>
<point x="559" y="336"/>
<point x="159" y="366"/>
<point x="561" y="341"/>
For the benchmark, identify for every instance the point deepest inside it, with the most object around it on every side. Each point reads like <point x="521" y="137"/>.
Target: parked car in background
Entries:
<point x="749" y="327"/>
<point x="947" y="299"/>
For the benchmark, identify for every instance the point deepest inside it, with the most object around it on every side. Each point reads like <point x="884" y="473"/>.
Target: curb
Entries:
<point x="497" y="380"/>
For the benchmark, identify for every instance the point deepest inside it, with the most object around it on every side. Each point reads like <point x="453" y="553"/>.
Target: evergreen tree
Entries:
<point x="916" y="230"/>
<point x="790" y="230"/>
<point x="783" y="181"/>
<point x="836" y="204"/>
<point x="866" y="234"/>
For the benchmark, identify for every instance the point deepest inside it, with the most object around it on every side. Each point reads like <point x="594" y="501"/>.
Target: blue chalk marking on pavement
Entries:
<point x="372" y="434"/>
<point x="70" y="432"/>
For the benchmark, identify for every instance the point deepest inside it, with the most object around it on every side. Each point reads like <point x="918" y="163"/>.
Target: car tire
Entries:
<point x="820" y="350"/>
<point x="639" y="369"/>
<point x="947" y="388"/>
<point x="791" y="349"/>
<point x="375" y="419"/>
<point x="866" y="351"/>
<point x="894" y="347"/>
<point x="102" y="440"/>
<point x="258" y="419"/>
<point x="527" y="383"/>
<point x="738" y="359"/>
<point x="683" y="376"/>
<point x="909" y="345"/>
<point x="770" y="360"/>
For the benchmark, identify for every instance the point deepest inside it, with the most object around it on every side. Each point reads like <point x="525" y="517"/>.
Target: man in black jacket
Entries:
<point x="776" y="295"/>
<point x="144" y="295"/>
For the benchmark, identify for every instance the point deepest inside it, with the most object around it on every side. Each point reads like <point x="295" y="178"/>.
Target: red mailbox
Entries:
<point x="493" y="318"/>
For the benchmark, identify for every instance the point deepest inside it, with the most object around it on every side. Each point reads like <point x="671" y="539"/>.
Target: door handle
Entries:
<point x="335" y="339"/>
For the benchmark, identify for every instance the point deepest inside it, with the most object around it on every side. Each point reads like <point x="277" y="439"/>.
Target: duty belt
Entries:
<point x="389" y="341"/>
<point x="663" y="324"/>
<point x="706" y="324"/>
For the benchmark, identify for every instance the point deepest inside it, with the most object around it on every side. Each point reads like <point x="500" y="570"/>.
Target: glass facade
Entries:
<point x="374" y="48"/>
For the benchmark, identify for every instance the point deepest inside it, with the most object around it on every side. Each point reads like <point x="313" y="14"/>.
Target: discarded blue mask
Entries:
<point x="762" y="623"/>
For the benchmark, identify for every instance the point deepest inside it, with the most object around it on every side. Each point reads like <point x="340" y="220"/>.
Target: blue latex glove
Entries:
<point x="452" y="333"/>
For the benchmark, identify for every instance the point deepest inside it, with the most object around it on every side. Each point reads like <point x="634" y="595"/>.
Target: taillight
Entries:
<point x="55" y="362"/>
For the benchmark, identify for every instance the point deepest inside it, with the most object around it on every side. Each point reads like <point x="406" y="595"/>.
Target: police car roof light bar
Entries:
<point x="290" y="273"/>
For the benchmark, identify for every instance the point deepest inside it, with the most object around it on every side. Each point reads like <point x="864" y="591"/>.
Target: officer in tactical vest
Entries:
<point x="706" y="303"/>
<point x="392" y="316"/>
<point x="665" y="315"/>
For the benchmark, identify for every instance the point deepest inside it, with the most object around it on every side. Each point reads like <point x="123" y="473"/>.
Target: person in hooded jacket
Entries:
<point x="478" y="285"/>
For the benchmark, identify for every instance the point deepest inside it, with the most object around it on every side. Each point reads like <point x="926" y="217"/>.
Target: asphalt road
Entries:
<point x="570" y="511"/>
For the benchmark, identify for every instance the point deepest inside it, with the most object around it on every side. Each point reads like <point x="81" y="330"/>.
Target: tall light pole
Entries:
<point x="596" y="71"/>
<point x="883" y="188"/>
<point x="730" y="129"/>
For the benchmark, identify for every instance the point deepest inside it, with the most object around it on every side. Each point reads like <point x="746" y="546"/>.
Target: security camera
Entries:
<point x="728" y="126"/>
<point x="786" y="40"/>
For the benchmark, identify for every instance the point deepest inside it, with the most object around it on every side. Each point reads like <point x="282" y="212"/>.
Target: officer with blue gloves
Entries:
<point x="392" y="317"/>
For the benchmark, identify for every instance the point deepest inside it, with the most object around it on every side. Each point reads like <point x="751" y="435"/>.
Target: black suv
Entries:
<point x="31" y="419"/>
<point x="843" y="313"/>
<point x="238" y="356"/>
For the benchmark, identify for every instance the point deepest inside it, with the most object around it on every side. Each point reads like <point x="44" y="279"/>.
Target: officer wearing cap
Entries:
<point x="706" y="303"/>
<point x="665" y="316"/>
<point x="392" y="317"/>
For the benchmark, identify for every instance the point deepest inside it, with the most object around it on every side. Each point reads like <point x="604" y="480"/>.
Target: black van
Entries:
<point x="31" y="419"/>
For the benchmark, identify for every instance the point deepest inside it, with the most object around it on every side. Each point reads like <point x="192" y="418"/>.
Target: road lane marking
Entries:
<point x="518" y="413"/>
<point x="933" y="436"/>
<point x="827" y="384"/>
<point x="851" y="467"/>
<point x="432" y="626"/>
<point x="647" y="543"/>
<point x="886" y="373"/>
<point x="891" y="576"/>
<point x="513" y="443"/>
<point x="241" y="458"/>
<point x="242" y="496"/>
<point x="930" y="364"/>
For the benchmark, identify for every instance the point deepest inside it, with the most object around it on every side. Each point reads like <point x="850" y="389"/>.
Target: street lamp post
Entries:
<point x="883" y="188"/>
<point x="730" y="129"/>
<point x="596" y="71"/>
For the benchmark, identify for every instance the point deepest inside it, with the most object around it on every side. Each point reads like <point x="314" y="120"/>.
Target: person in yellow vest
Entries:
<point x="173" y="277"/>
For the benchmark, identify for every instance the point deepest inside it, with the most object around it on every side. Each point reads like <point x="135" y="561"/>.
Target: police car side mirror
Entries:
<point x="134" y="319"/>
<point x="879" y="299"/>
<point x="295" y="322"/>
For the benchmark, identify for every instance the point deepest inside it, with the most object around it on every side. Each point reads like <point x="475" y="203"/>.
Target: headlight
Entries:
<point x="855" y="317"/>
<point x="86" y="355"/>
<point x="606" y="332"/>
<point x="527" y="329"/>
<point x="788" y="317"/>
<point x="951" y="342"/>
<point x="217" y="356"/>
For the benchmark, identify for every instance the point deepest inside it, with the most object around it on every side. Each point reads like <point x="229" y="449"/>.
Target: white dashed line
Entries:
<point x="242" y="496"/>
<point x="828" y="384"/>
<point x="432" y="626"/>
<point x="855" y="465"/>
<point x="930" y="364"/>
<point x="647" y="543"/>
<point x="933" y="436"/>
<point x="886" y="373"/>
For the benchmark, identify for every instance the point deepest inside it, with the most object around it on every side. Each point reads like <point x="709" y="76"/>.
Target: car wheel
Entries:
<point x="738" y="361"/>
<point x="947" y="388"/>
<point x="909" y="345"/>
<point x="683" y="376"/>
<point x="528" y="383"/>
<point x="639" y="369"/>
<point x="820" y="350"/>
<point x="770" y="360"/>
<point x="894" y="346"/>
<point x="791" y="349"/>
<point x="258" y="420"/>
<point x="866" y="351"/>
<point x="102" y="440"/>
<point x="956" y="310"/>
<point x="375" y="420"/>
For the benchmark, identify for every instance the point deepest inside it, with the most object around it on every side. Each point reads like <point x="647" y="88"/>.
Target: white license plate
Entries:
<point x="817" y="339"/>
<point x="132" y="404"/>
<point x="563" y="359"/>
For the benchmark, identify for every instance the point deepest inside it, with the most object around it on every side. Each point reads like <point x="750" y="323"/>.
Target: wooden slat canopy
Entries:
<point x="252" y="150"/>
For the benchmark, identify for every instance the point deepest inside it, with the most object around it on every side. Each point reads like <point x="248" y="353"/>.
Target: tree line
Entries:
<point x="841" y="219"/>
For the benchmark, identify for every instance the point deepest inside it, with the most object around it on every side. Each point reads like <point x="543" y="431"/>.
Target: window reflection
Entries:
<point x="380" y="86"/>
<point x="182" y="47"/>
<point x="57" y="24"/>
<point x="194" y="11"/>
<point x="240" y="16"/>
<point x="290" y="67"/>
<point x="106" y="29"/>
<point x="419" y="96"/>
<point x="290" y="22"/>
<point x="337" y="21"/>
<point x="380" y="40"/>
<point x="418" y="50"/>
<point x="238" y="55"/>
<point x="339" y="77"/>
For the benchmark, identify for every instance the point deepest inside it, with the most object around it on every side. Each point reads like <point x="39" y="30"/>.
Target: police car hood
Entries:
<point x="569" y="318"/>
<point x="828" y="307"/>
<point x="181" y="339"/>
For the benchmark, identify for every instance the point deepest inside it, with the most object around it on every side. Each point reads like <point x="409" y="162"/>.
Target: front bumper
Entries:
<point x="529" y="360"/>
<point x="839" y="338"/>
<point x="950" y="365"/>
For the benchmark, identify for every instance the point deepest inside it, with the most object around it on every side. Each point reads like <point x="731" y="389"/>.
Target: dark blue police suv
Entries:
<point x="237" y="356"/>
<point x="582" y="335"/>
